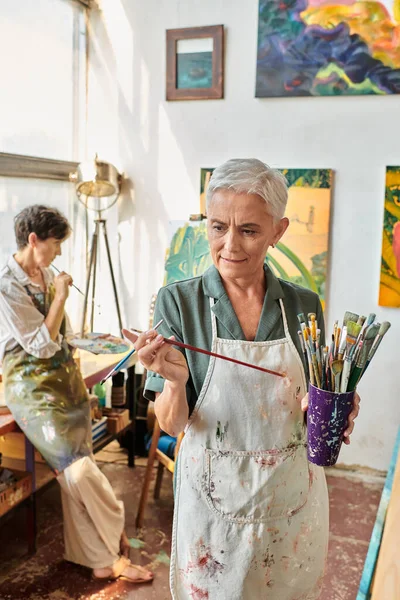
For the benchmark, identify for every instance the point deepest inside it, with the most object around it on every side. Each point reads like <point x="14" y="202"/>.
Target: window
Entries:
<point x="43" y="114"/>
<point x="16" y="194"/>
<point x="43" y="76"/>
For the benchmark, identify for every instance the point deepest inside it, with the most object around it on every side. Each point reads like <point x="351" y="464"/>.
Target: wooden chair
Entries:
<point x="164" y="462"/>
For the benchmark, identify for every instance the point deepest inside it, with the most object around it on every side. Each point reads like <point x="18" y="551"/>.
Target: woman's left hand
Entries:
<point x="353" y="415"/>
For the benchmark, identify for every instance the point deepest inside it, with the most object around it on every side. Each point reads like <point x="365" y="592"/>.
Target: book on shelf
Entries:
<point x="99" y="428"/>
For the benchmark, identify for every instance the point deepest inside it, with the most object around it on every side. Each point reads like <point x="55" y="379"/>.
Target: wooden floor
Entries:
<point x="46" y="576"/>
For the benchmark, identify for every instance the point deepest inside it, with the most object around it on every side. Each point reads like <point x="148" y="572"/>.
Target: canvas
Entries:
<point x="301" y="256"/>
<point x="321" y="48"/>
<point x="194" y="63"/>
<point x="188" y="254"/>
<point x="389" y="289"/>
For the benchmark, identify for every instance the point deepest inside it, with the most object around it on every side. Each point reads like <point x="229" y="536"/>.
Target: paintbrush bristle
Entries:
<point x="337" y="366"/>
<point x="371" y="319"/>
<point x="384" y="327"/>
<point x="371" y="331"/>
<point x="353" y="329"/>
<point x="361" y="320"/>
<point x="311" y="316"/>
<point x="301" y="318"/>
<point x="370" y="334"/>
<point x="349" y="316"/>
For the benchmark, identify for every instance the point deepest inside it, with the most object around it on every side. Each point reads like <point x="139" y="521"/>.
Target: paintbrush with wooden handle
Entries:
<point x="207" y="352"/>
<point x="353" y="329"/>
<point x="342" y="345"/>
<point x="367" y="342"/>
<point x="307" y="346"/>
<point x="233" y="360"/>
<point x="121" y="363"/>
<point x="366" y="322"/>
<point x="337" y="368"/>
<point x="73" y="285"/>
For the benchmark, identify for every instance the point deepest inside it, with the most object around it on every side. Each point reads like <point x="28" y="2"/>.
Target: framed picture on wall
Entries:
<point x="195" y="57"/>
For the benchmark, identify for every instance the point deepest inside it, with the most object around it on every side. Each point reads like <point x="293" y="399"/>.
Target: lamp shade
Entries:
<point x="96" y="179"/>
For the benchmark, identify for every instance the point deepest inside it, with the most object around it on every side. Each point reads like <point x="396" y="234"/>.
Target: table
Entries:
<point x="94" y="369"/>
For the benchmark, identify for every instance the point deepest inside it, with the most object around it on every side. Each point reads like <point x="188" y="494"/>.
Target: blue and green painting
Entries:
<point x="193" y="70"/>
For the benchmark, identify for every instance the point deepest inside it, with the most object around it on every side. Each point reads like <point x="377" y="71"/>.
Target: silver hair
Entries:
<point x="251" y="176"/>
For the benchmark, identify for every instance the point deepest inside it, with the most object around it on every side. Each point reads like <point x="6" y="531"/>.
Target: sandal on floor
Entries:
<point x="119" y="567"/>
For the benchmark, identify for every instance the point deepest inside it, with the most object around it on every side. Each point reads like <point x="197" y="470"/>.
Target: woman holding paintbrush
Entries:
<point x="251" y="514"/>
<point x="47" y="395"/>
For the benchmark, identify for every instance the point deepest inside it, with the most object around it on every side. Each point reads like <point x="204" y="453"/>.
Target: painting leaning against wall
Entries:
<point x="302" y="256"/>
<point x="389" y="289"/>
<point x="320" y="48"/>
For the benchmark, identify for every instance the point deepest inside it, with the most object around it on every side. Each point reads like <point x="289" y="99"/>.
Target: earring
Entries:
<point x="273" y="245"/>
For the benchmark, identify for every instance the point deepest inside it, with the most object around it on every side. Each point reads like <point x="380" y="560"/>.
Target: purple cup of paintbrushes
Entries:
<point x="327" y="417"/>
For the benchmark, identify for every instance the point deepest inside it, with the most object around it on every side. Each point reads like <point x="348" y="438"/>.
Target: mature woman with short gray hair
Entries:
<point x="251" y="514"/>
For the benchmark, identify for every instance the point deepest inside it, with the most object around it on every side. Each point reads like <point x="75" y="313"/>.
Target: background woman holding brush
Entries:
<point x="47" y="396"/>
<point x="251" y="514"/>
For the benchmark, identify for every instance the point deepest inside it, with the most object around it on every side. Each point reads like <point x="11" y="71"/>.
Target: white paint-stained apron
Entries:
<point x="251" y="514"/>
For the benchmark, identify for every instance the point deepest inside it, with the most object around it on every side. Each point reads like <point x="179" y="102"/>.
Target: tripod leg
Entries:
<point x="112" y="274"/>
<point x="94" y="279"/>
<point x="93" y="252"/>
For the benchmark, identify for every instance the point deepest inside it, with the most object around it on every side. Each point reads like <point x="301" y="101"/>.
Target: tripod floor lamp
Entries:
<point x="97" y="185"/>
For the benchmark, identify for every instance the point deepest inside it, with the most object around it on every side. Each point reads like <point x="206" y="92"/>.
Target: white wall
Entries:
<point x="161" y="146"/>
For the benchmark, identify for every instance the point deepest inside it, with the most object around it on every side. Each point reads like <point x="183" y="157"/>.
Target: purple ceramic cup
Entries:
<point x="327" y="417"/>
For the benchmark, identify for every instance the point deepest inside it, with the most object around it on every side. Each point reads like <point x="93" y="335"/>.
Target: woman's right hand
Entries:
<point x="62" y="283"/>
<point x="159" y="357"/>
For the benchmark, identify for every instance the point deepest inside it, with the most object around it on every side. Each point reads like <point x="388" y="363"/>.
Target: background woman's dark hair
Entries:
<point x="45" y="221"/>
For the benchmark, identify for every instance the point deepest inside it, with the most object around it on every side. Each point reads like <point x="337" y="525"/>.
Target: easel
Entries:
<point x="99" y="222"/>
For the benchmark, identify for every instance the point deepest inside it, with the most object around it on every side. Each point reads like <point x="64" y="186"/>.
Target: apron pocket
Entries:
<point x="255" y="486"/>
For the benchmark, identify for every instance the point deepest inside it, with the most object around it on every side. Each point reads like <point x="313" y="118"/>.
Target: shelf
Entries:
<point x="43" y="473"/>
<point x="108" y="437"/>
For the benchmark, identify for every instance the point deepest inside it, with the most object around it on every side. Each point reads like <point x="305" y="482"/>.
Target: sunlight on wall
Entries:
<point x="176" y="187"/>
<point x="120" y="35"/>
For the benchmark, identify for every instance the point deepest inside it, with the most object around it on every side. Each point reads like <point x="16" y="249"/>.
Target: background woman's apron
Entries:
<point x="48" y="399"/>
<point x="251" y="514"/>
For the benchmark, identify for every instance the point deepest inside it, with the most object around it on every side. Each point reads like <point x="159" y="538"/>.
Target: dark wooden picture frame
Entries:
<point x="216" y="90"/>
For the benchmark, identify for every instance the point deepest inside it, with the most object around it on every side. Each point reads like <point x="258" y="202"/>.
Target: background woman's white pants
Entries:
<point x="93" y="517"/>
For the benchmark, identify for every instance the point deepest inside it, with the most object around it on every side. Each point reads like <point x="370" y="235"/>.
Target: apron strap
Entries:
<point x="213" y="321"/>
<point x="292" y="344"/>
<point x="285" y="323"/>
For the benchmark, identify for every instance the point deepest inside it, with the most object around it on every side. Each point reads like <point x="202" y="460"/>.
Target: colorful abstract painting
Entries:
<point x="301" y="256"/>
<point x="389" y="289"/>
<point x="323" y="48"/>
